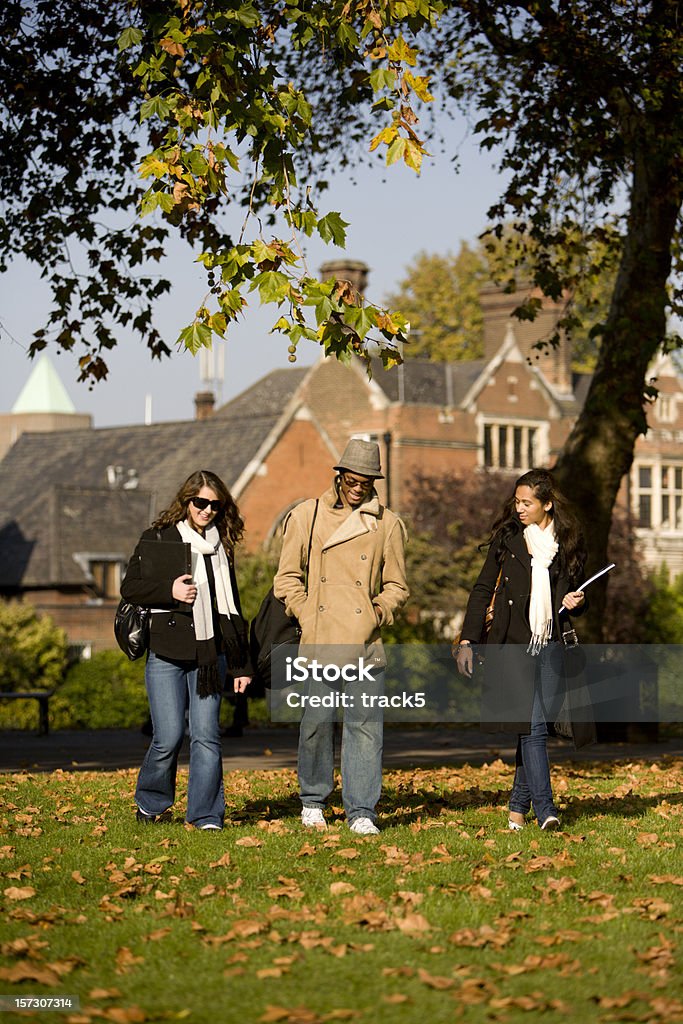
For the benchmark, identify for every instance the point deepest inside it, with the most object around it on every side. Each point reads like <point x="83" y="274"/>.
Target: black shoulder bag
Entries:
<point x="131" y="627"/>
<point x="272" y="627"/>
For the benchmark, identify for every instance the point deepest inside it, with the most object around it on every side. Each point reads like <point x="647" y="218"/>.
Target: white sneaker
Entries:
<point x="551" y="823"/>
<point x="312" y="817"/>
<point x="210" y="827"/>
<point x="364" y="827"/>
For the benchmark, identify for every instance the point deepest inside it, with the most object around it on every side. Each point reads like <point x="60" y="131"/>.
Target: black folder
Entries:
<point x="164" y="559"/>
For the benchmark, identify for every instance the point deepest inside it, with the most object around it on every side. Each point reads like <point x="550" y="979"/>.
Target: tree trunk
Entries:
<point x="599" y="451"/>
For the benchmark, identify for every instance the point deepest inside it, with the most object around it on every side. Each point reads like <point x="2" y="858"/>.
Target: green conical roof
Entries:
<point x="43" y="391"/>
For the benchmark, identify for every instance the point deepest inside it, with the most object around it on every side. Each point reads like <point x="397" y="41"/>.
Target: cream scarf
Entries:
<point x="542" y="547"/>
<point x="209" y="544"/>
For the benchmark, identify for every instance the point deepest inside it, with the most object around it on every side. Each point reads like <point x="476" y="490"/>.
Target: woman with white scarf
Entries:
<point x="534" y="563"/>
<point x="197" y="634"/>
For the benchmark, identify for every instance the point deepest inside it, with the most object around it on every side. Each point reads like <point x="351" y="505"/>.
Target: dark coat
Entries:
<point x="509" y="672"/>
<point x="172" y="630"/>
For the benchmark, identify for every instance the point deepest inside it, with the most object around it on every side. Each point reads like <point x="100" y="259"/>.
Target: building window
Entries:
<point x="659" y="496"/>
<point x="510" y="445"/>
<point x="106" y="577"/>
<point x="665" y="408"/>
<point x="672" y="497"/>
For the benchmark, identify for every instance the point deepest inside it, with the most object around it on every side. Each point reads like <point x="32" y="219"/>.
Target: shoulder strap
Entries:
<point x="310" y="541"/>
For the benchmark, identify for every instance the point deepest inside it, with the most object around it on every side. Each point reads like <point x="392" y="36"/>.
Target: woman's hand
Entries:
<point x="240" y="683"/>
<point x="464" y="660"/>
<point x="573" y="600"/>
<point x="184" y="590"/>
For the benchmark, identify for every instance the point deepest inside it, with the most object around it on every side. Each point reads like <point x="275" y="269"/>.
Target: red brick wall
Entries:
<point x="298" y="466"/>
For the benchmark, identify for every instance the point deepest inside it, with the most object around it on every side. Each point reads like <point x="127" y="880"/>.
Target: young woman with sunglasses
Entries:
<point x="197" y="634"/>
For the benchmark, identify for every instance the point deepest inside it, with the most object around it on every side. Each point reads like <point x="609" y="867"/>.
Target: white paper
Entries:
<point x="597" y="576"/>
<point x="592" y="579"/>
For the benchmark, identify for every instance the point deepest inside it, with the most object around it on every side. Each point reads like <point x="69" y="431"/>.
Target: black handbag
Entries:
<point x="131" y="629"/>
<point x="272" y="627"/>
<point x="131" y="623"/>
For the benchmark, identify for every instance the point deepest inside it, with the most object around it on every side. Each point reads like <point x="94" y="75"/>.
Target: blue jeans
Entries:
<point x="172" y="689"/>
<point x="532" y="772"/>
<point x="361" y="755"/>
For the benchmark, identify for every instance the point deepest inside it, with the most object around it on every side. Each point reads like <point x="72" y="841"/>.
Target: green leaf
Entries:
<point x="232" y="303"/>
<point x="361" y="318"/>
<point x="272" y="286"/>
<point x="263" y="253"/>
<point x="218" y="323"/>
<point x="194" y="337"/>
<point x="332" y="228"/>
<point x="382" y="78"/>
<point x="155" y="107"/>
<point x="149" y="203"/>
<point x="165" y="201"/>
<point x="196" y="161"/>
<point x="129" y="37"/>
<point x="303" y="220"/>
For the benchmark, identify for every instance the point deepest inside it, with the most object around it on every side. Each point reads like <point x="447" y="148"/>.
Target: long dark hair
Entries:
<point x="228" y="521"/>
<point x="572" y="551"/>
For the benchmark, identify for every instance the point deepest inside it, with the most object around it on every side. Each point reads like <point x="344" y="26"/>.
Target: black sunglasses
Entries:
<point x="202" y="503"/>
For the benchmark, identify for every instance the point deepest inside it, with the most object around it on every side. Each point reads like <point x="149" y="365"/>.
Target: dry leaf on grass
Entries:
<point x="15" y="892"/>
<point x="434" y="980"/>
<point x="28" y="971"/>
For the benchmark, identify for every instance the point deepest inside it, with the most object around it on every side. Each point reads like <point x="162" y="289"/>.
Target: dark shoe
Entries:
<point x="146" y="819"/>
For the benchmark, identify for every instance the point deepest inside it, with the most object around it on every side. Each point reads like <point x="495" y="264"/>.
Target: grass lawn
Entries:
<point x="445" y="916"/>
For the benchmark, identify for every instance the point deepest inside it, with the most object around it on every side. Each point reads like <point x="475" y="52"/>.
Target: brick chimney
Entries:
<point x="497" y="307"/>
<point x="352" y="271"/>
<point x="203" y="405"/>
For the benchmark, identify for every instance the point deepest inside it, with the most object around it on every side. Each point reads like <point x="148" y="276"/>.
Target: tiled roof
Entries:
<point x="268" y="395"/>
<point x="56" y="491"/>
<point x="423" y="382"/>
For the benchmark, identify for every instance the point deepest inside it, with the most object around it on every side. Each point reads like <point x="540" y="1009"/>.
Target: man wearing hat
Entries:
<point x="356" y="583"/>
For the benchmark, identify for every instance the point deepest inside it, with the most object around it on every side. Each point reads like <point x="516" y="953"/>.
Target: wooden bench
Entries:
<point x="42" y="696"/>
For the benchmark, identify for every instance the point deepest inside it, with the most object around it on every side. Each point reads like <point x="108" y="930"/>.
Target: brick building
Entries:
<point x="73" y="502"/>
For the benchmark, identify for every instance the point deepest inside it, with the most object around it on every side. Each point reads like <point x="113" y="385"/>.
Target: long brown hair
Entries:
<point x="572" y="551"/>
<point x="227" y="521"/>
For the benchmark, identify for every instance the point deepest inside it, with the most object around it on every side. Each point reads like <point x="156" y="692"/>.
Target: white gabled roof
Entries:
<point x="44" y="391"/>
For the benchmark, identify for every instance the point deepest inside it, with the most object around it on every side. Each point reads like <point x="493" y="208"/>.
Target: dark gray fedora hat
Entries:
<point x="361" y="457"/>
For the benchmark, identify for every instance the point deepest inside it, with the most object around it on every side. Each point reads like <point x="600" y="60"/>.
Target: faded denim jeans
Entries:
<point x="532" y="773"/>
<point x="361" y="753"/>
<point x="172" y="689"/>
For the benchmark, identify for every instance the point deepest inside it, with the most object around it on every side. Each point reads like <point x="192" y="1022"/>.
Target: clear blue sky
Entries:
<point x="393" y="215"/>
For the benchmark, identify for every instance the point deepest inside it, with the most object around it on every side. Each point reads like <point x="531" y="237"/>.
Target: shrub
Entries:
<point x="106" y="692"/>
<point x="32" y="648"/>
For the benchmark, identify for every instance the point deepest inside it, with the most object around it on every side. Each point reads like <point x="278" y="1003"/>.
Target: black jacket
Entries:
<point x="172" y="630"/>
<point x="508" y="676"/>
<point x="511" y="609"/>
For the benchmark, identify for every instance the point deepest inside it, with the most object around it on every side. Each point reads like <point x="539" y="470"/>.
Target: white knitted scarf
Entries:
<point x="209" y="544"/>
<point x="542" y="547"/>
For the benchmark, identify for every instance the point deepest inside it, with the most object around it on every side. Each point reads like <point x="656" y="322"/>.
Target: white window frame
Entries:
<point x="665" y="490"/>
<point x="495" y="424"/>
